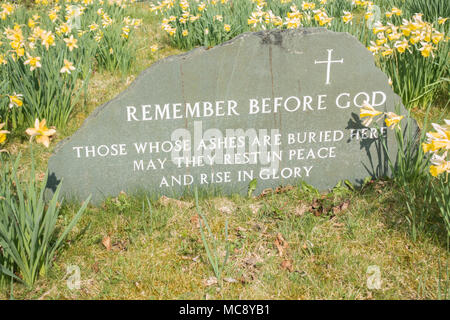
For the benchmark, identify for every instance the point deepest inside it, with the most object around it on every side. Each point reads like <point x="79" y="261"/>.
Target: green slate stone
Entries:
<point x="276" y="106"/>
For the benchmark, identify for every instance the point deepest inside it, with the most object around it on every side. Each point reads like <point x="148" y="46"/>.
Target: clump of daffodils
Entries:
<point x="53" y="36"/>
<point x="410" y="35"/>
<point x="438" y="144"/>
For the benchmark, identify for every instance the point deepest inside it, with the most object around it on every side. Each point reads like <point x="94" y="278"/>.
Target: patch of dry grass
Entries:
<point x="160" y="255"/>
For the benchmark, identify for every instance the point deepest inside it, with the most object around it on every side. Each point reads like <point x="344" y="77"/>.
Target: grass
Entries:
<point x="159" y="253"/>
<point x="161" y="256"/>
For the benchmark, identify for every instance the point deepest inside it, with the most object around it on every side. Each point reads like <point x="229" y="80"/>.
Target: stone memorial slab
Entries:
<point x="276" y="106"/>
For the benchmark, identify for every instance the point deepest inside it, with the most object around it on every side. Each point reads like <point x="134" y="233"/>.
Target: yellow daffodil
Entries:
<point x="442" y="20"/>
<point x="368" y="111"/>
<point x="3" y="59"/>
<point x="308" y="5"/>
<point x="68" y="67"/>
<point x="374" y="48"/>
<point x="378" y="27"/>
<point x="405" y="30"/>
<point x="41" y="132"/>
<point x="227" y="27"/>
<point x="387" y="51"/>
<point x="439" y="164"/>
<point x="347" y="17"/>
<point x="201" y="6"/>
<point x="53" y="15"/>
<point x="154" y="48"/>
<point x="368" y="15"/>
<point x="15" y="100"/>
<point x="426" y="49"/>
<point x="426" y="147"/>
<point x="396" y="11"/>
<point x="185" y="33"/>
<point x="48" y="39"/>
<point x="402" y="46"/>
<point x="415" y="39"/>
<point x="34" y="62"/>
<point x="93" y="27"/>
<point x="125" y="32"/>
<point x="381" y="39"/>
<point x="439" y="140"/>
<point x="194" y="18"/>
<point x="392" y="119"/>
<point x="394" y="36"/>
<point x="71" y="42"/>
<point x="3" y="133"/>
<point x="437" y="37"/>
<point x="31" y="23"/>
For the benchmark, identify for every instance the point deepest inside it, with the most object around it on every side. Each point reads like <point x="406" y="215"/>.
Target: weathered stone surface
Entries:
<point x="314" y="78"/>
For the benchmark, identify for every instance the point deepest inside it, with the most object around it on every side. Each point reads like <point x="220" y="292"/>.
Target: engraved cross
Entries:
<point x="329" y="62"/>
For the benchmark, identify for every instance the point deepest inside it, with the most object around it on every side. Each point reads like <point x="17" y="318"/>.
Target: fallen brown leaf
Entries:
<point x="287" y="265"/>
<point x="195" y="220"/>
<point x="341" y="207"/>
<point x="265" y="192"/>
<point x="284" y="189"/>
<point x="107" y="242"/>
<point x="95" y="267"/>
<point x="317" y="208"/>
<point x="281" y="244"/>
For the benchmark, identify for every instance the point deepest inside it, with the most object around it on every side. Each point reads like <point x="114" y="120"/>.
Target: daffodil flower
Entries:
<point x="378" y="27"/>
<point x="396" y="11"/>
<point x="48" y="39"/>
<point x="68" y="67"/>
<point x="392" y="119"/>
<point x="402" y="46"/>
<point x="374" y="48"/>
<point x="41" y="132"/>
<point x="34" y="62"/>
<point x="3" y="133"/>
<point x="308" y="5"/>
<point x="368" y="111"/>
<point x="437" y="37"/>
<point x="442" y="20"/>
<point x="15" y="100"/>
<point x="3" y="60"/>
<point x="387" y="51"/>
<point x="347" y="17"/>
<point x="440" y="164"/>
<point x="426" y="49"/>
<point x="71" y="42"/>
